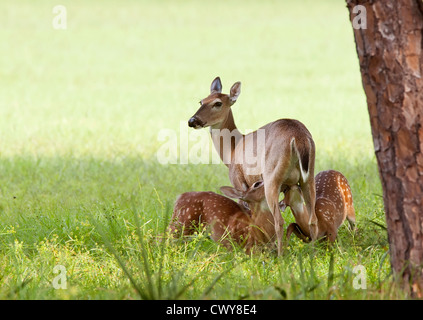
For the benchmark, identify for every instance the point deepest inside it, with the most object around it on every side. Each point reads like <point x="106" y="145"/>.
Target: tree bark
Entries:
<point x="390" y="54"/>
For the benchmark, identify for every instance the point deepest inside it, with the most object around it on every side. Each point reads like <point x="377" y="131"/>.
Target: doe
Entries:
<point x="285" y="158"/>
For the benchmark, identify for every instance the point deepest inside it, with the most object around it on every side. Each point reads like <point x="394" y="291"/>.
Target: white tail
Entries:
<point x="227" y="219"/>
<point x="285" y="159"/>
<point x="334" y="204"/>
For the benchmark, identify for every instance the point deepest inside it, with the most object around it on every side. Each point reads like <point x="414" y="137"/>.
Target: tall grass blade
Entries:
<point x="144" y="254"/>
<point x="121" y="263"/>
<point x="331" y="272"/>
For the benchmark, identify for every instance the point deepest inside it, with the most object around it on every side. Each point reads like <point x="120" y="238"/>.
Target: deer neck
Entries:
<point x="263" y="219"/>
<point x="225" y="136"/>
<point x="261" y="212"/>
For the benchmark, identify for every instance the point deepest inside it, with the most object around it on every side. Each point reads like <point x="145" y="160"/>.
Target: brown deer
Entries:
<point x="334" y="204"/>
<point x="226" y="218"/>
<point x="284" y="157"/>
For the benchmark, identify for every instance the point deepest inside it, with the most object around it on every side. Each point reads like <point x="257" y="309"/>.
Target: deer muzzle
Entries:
<point x="195" y="123"/>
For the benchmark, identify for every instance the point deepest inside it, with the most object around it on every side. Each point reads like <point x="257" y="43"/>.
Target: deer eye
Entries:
<point x="217" y="105"/>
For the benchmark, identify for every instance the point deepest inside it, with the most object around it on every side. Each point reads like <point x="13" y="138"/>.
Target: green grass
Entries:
<point x="80" y="112"/>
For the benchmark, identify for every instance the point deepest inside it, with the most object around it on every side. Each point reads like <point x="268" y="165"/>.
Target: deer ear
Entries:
<point x="216" y="86"/>
<point x="231" y="192"/>
<point x="235" y="91"/>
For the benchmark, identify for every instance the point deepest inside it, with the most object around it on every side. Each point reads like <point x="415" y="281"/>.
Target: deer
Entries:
<point x="227" y="219"/>
<point x="284" y="158"/>
<point x="334" y="204"/>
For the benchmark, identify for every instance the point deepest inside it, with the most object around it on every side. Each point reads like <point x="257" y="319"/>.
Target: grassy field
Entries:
<point x="80" y="114"/>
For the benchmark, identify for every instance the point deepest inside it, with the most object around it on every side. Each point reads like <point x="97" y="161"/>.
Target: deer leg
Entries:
<point x="272" y="198"/>
<point x="309" y="193"/>
<point x="291" y="228"/>
<point x="351" y="217"/>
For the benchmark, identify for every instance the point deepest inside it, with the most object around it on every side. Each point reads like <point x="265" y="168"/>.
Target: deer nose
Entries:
<point x="193" y="122"/>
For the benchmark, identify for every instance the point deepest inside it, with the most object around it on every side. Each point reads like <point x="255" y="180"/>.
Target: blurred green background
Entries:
<point x="80" y="113"/>
<point x="124" y="69"/>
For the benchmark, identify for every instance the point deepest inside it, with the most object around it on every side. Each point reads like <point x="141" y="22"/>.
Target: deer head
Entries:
<point x="215" y="108"/>
<point x="254" y="196"/>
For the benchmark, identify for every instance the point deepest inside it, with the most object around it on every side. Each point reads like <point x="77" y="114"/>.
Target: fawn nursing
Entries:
<point x="260" y="171"/>
<point x="230" y="220"/>
<point x="334" y="204"/>
<point x="226" y="219"/>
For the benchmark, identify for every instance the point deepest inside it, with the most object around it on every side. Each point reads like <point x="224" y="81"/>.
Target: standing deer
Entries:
<point x="285" y="159"/>
<point x="225" y="217"/>
<point x="334" y="203"/>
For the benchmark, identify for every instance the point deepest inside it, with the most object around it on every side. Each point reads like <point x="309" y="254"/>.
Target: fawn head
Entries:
<point x="215" y="108"/>
<point x="254" y="196"/>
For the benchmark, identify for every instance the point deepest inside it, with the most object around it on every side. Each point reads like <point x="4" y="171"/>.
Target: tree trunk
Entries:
<point x="389" y="42"/>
